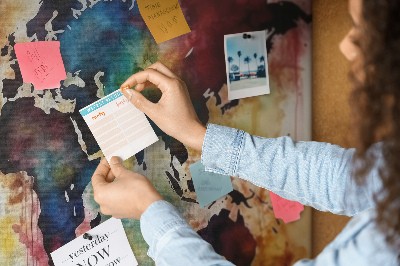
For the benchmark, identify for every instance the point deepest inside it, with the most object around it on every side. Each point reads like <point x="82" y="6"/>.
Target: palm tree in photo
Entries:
<point x="262" y="59"/>
<point x="230" y="60"/>
<point x="255" y="58"/>
<point x="263" y="74"/>
<point x="239" y="54"/>
<point x="247" y="60"/>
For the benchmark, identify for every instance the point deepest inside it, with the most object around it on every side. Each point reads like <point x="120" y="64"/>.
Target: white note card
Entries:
<point x="118" y="126"/>
<point x="109" y="246"/>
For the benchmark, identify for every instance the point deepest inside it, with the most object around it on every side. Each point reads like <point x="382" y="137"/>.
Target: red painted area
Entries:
<point x="27" y="228"/>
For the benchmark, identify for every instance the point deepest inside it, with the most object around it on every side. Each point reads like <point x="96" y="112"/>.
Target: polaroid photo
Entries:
<point x="246" y="64"/>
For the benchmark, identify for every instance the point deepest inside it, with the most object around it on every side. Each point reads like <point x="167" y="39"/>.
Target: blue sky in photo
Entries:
<point x="248" y="47"/>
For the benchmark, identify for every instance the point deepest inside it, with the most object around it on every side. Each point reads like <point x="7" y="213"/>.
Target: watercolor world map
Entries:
<point x="48" y="154"/>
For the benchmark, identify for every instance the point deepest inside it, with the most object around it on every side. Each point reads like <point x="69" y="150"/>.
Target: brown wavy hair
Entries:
<point x="375" y="101"/>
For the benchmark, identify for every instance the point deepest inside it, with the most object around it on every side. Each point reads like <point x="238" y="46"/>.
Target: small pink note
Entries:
<point x="287" y="210"/>
<point x="41" y="64"/>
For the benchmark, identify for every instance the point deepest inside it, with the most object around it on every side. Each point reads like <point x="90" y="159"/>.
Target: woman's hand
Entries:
<point x="127" y="197"/>
<point x="174" y="112"/>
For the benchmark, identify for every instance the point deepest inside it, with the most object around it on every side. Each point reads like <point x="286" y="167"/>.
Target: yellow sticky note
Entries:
<point x="164" y="18"/>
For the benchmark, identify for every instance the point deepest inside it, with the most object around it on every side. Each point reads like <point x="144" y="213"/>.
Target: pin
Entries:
<point x="246" y="36"/>
<point x="87" y="236"/>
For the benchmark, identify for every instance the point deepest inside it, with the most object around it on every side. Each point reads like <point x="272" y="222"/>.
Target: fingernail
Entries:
<point x="115" y="160"/>
<point x="128" y="94"/>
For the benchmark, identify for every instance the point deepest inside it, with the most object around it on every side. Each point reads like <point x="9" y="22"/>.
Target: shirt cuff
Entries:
<point x="159" y="218"/>
<point x="222" y="148"/>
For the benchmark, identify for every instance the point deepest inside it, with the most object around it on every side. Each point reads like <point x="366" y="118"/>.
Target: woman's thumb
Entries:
<point x="138" y="100"/>
<point x="116" y="167"/>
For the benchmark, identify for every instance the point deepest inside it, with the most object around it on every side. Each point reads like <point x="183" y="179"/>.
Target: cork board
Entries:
<point x="331" y="89"/>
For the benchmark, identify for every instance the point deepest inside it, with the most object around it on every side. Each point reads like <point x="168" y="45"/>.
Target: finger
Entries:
<point x="160" y="67"/>
<point x="143" y="86"/>
<point x="110" y="177"/>
<point x="100" y="174"/>
<point x="117" y="168"/>
<point x="104" y="210"/>
<point x="140" y="102"/>
<point x="160" y="80"/>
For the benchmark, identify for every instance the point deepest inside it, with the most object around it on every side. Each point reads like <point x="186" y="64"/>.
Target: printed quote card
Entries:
<point x="207" y="185"/>
<point x="118" y="126"/>
<point x="108" y="246"/>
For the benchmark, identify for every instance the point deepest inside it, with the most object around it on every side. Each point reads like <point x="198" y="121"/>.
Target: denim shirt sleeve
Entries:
<point x="312" y="173"/>
<point x="172" y="241"/>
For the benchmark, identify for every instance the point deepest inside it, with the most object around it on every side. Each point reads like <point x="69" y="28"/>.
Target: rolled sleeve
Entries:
<point x="222" y="147"/>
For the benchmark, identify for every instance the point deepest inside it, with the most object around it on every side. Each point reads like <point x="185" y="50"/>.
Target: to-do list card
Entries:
<point x="106" y="245"/>
<point x="118" y="126"/>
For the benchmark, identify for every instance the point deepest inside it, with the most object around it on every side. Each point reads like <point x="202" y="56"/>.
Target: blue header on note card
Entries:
<point x="96" y="105"/>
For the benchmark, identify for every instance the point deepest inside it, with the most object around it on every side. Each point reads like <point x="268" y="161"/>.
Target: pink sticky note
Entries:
<point x="287" y="210"/>
<point x="41" y="64"/>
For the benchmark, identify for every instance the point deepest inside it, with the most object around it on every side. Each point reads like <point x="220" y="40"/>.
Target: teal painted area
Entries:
<point x="96" y="43"/>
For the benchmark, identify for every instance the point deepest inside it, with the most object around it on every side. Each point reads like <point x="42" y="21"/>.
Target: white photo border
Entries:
<point x="248" y="92"/>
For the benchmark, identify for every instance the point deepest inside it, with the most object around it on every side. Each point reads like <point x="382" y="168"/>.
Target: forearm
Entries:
<point x="172" y="240"/>
<point x="312" y="173"/>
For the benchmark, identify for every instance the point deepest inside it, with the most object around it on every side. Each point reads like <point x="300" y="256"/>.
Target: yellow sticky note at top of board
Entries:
<point x="164" y="18"/>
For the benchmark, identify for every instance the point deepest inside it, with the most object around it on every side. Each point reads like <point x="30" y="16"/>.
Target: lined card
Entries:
<point x="118" y="126"/>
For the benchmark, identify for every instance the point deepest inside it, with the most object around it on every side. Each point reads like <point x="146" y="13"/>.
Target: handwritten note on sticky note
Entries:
<point x="209" y="186"/>
<point x="118" y="126"/>
<point x="287" y="210"/>
<point x="108" y="246"/>
<point x="41" y="64"/>
<point x="164" y="18"/>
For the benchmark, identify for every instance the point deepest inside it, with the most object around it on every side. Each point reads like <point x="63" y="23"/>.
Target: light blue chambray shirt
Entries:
<point x="312" y="173"/>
